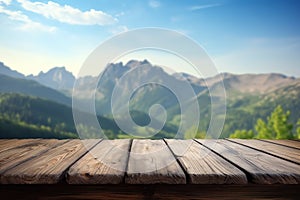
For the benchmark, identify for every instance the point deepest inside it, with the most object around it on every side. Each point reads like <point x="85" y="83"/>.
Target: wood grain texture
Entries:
<point x="261" y="167"/>
<point x="105" y="164"/>
<point x="151" y="162"/>
<point x="49" y="167"/>
<point x="204" y="166"/>
<point x="288" y="143"/>
<point x="39" y="161"/>
<point x="12" y="143"/>
<point x="287" y="153"/>
<point x="29" y="149"/>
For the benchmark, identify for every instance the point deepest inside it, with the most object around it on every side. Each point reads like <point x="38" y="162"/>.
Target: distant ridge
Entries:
<point x="57" y="78"/>
<point x="8" y="72"/>
<point x="32" y="88"/>
<point x="249" y="96"/>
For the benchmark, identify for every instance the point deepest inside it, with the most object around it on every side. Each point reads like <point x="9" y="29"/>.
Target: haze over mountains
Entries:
<point x="249" y="96"/>
<point x="59" y="78"/>
<point x="9" y="72"/>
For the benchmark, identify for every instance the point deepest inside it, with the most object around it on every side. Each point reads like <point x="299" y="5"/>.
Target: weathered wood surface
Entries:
<point x="284" y="152"/>
<point x="9" y="144"/>
<point x="203" y="166"/>
<point x="104" y="164"/>
<point x="261" y="167"/>
<point x="287" y="143"/>
<point x="49" y="167"/>
<point x="146" y="159"/>
<point x="25" y="151"/>
<point x="38" y="161"/>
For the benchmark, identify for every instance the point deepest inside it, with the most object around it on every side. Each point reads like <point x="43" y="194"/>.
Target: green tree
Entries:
<point x="262" y="129"/>
<point x="278" y="121"/>
<point x="298" y="129"/>
<point x="277" y="126"/>
<point x="242" y="134"/>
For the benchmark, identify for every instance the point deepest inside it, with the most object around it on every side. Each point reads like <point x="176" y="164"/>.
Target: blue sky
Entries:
<point x="241" y="36"/>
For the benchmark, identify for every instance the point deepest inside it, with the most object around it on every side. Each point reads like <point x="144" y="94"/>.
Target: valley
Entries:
<point x="40" y="106"/>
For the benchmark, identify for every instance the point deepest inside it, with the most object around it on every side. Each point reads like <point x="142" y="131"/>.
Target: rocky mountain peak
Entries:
<point x="9" y="72"/>
<point x="56" y="78"/>
<point x="135" y="63"/>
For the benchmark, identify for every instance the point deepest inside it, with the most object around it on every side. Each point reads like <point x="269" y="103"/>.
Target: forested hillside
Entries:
<point x="32" y="117"/>
<point x="36" y="110"/>
<point x="32" y="88"/>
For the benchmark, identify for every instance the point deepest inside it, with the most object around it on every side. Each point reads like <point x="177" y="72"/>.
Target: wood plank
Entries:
<point x="261" y="167"/>
<point x="158" y="191"/>
<point x="288" y="143"/>
<point x="284" y="152"/>
<point x="3" y="141"/>
<point x="49" y="167"/>
<point x="14" y="156"/>
<point x="12" y="143"/>
<point x="105" y="164"/>
<point x="204" y="166"/>
<point x="151" y="162"/>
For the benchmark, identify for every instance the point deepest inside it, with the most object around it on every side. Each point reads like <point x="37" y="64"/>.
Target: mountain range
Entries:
<point x="57" y="78"/>
<point x="249" y="96"/>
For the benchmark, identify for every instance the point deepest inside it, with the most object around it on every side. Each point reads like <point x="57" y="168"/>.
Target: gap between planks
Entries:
<point x="182" y="166"/>
<point x="203" y="166"/>
<point x="129" y="161"/>
<point x="287" y="143"/>
<point x="151" y="162"/>
<point x="176" y="173"/>
<point x="105" y="163"/>
<point x="48" y="167"/>
<point x="261" y="168"/>
<point x="23" y="152"/>
<point x="274" y="149"/>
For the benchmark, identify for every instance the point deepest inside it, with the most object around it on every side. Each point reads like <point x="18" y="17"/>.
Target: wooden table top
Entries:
<point x="50" y="161"/>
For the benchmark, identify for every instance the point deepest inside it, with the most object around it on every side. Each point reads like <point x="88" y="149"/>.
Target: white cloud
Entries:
<point x="200" y="7"/>
<point x="14" y="15"/>
<point x="6" y="2"/>
<point x="154" y="4"/>
<point x="28" y="24"/>
<point x="68" y="14"/>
